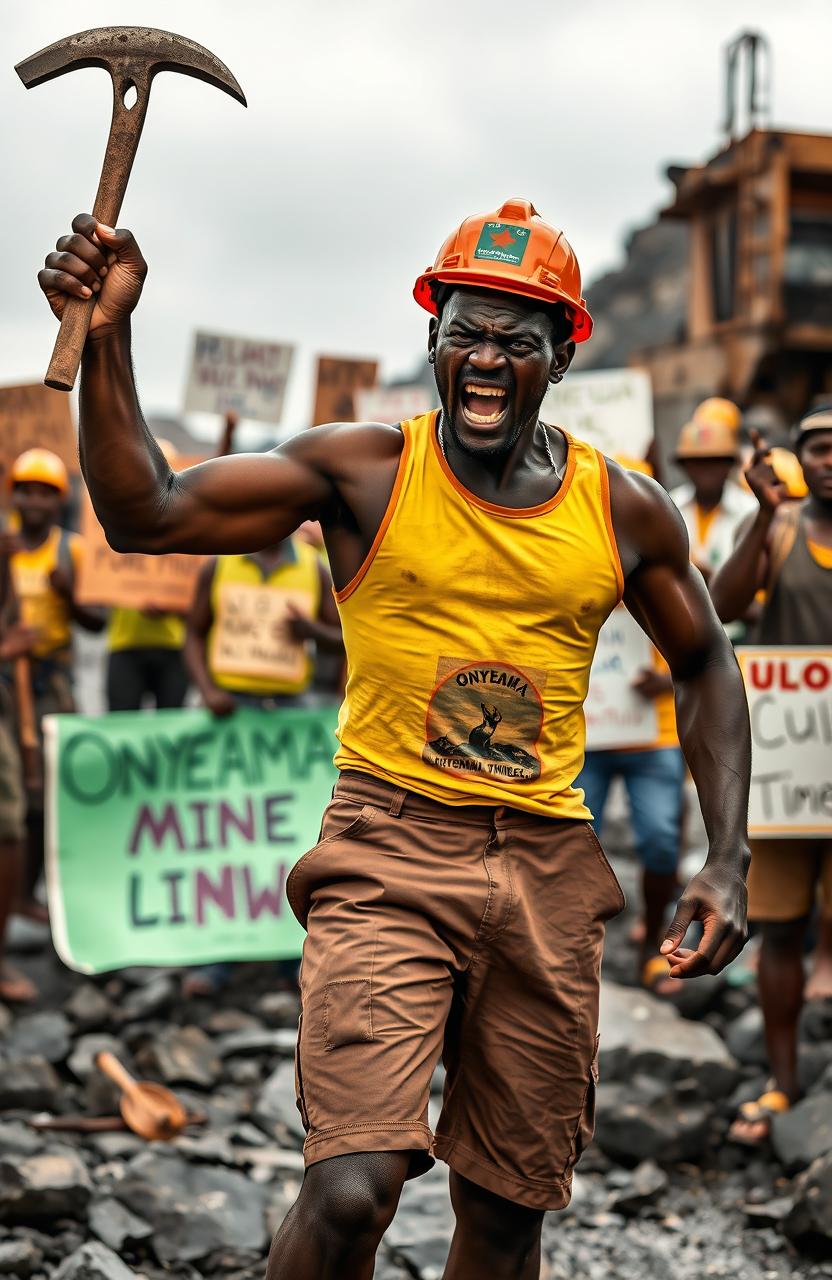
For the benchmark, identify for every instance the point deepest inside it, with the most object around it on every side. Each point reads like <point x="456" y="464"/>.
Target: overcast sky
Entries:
<point x="373" y="127"/>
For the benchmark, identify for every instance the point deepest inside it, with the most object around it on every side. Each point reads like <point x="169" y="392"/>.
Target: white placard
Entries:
<point x="611" y="409"/>
<point x="391" y="404"/>
<point x="790" y="703"/>
<point x="246" y="375"/>
<point x="616" y="716"/>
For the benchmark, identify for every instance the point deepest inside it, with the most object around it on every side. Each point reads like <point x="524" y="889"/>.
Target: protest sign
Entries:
<point x="246" y="375"/>
<point x="132" y="581"/>
<point x="615" y="715"/>
<point x="35" y="416"/>
<point x="170" y="837"/>
<point x="610" y="408"/>
<point x="251" y="636"/>
<point x="392" y="404"/>
<point x="790" y="703"/>
<point x="338" y="379"/>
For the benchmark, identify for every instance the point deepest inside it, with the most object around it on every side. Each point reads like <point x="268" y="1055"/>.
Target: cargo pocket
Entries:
<point x="348" y="1012"/>
<point x="336" y="826"/>
<point x="585" y="1128"/>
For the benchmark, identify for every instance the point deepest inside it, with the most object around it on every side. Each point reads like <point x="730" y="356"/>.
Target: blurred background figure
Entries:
<point x="785" y="550"/>
<point x="44" y="565"/>
<point x="711" y="504"/>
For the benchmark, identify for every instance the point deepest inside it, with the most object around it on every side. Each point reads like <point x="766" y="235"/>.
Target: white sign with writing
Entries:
<point x="245" y="375"/>
<point x="391" y="404"/>
<point x="790" y="704"/>
<point x="251" y="634"/>
<point x="616" y="716"/>
<point x="610" y="408"/>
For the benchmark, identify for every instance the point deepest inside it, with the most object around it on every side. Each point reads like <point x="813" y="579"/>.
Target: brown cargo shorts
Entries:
<point x="472" y="933"/>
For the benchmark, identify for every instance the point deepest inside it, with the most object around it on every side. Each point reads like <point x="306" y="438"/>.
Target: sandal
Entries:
<point x="760" y="1114"/>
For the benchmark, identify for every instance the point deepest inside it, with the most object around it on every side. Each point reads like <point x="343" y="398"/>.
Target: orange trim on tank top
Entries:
<point x="607" y="509"/>
<point x="513" y="513"/>
<point x="355" y="581"/>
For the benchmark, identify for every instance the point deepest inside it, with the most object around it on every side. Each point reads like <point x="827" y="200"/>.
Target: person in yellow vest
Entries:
<point x="289" y="589"/>
<point x="44" y="569"/>
<point x="456" y="900"/>
<point x="145" y="646"/>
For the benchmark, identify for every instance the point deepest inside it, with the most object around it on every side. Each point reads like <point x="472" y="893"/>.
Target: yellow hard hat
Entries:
<point x="718" y="412"/>
<point x="699" y="439"/>
<point x="41" y="466"/>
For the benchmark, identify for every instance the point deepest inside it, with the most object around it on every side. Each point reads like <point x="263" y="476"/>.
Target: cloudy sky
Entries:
<point x="372" y="128"/>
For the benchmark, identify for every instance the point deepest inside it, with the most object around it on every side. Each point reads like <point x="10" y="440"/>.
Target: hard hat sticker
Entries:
<point x="502" y="242"/>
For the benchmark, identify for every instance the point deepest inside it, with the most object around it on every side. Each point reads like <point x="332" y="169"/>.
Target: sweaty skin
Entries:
<point x="343" y="475"/>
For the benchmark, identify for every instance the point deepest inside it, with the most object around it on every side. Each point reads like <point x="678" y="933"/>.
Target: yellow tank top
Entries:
<point x="249" y="648"/>
<point x="41" y="607"/>
<point x="470" y="629"/>
<point x="133" y="629"/>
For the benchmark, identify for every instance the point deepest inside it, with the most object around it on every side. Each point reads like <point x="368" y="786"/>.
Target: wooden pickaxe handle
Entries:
<point x="125" y="131"/>
<point x="27" y="727"/>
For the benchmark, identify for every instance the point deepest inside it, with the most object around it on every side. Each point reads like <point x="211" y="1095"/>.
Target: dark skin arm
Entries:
<point x="237" y="503"/>
<point x="89" y="617"/>
<point x="325" y="630"/>
<point x="218" y="701"/>
<point x="667" y="596"/>
<point x="746" y="570"/>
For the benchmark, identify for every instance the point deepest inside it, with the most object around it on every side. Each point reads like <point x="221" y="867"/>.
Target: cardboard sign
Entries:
<point x="337" y="382"/>
<point x="612" y="409"/>
<point x="615" y="715"/>
<point x="392" y="404"/>
<point x="251" y="636"/>
<point x="790" y="704"/>
<point x="132" y="581"/>
<point x="170" y="837"/>
<point x="35" y="416"/>
<point x="246" y="375"/>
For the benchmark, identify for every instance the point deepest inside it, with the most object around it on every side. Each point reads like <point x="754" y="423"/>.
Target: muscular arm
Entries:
<point x="667" y="596"/>
<point x="229" y="504"/>
<point x="735" y="584"/>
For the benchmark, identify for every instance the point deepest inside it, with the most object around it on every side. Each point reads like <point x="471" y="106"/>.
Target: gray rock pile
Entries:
<point x="660" y="1193"/>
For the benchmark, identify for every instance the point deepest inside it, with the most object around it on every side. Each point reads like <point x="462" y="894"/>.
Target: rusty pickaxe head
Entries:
<point x="133" y="56"/>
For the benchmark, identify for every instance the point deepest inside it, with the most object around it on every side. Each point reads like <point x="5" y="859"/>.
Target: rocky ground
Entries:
<point x="660" y="1194"/>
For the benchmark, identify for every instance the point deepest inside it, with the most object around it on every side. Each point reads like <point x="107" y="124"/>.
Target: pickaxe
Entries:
<point x="132" y="55"/>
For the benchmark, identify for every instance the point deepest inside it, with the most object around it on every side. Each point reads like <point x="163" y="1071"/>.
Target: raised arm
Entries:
<point x="668" y="597"/>
<point x="239" y="503"/>
<point x="738" y="580"/>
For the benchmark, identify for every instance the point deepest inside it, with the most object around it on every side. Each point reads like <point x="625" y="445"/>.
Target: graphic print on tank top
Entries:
<point x="485" y="717"/>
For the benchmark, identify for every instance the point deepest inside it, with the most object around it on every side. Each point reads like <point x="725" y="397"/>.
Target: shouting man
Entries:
<point x="455" y="903"/>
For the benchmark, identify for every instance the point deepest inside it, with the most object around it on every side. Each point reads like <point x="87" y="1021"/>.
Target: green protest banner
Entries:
<point x="170" y="836"/>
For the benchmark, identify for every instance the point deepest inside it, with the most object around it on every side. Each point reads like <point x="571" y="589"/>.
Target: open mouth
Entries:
<point x="483" y="404"/>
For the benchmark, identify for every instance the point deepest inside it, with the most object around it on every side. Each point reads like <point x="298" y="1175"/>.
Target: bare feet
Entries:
<point x="638" y="933"/>
<point x="15" y="987"/>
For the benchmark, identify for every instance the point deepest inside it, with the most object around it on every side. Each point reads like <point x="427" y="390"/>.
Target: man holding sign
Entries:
<point x="786" y="551"/>
<point x="457" y="896"/>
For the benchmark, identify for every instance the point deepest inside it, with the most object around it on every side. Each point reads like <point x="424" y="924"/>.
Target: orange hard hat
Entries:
<point x="515" y="251"/>
<point x="42" y="466"/>
<point x="717" y="412"/>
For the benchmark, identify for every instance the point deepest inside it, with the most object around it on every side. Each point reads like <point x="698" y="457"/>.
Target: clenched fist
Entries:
<point x="95" y="260"/>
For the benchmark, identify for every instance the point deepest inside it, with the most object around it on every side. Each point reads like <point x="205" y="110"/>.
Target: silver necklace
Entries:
<point x="546" y="443"/>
